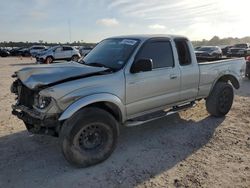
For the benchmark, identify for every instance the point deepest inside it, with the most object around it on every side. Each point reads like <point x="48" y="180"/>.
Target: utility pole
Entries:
<point x="69" y="26"/>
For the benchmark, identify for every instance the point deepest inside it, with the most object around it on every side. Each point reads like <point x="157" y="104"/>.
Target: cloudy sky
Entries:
<point x="93" y="20"/>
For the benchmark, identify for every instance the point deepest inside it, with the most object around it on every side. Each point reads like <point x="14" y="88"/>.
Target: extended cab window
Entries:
<point x="159" y="51"/>
<point x="183" y="52"/>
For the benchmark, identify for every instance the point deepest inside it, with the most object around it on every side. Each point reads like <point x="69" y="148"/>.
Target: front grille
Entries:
<point x="204" y="54"/>
<point x="25" y="96"/>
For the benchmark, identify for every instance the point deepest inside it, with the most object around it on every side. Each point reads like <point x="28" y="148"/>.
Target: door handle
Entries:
<point x="173" y="76"/>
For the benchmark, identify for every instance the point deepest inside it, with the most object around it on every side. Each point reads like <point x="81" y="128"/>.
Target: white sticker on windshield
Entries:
<point x="128" y="42"/>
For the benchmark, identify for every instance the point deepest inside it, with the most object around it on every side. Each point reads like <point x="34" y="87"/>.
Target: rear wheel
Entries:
<point x="220" y="100"/>
<point x="89" y="137"/>
<point x="48" y="60"/>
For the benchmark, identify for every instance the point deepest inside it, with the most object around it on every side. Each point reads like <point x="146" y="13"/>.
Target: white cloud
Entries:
<point x="157" y="26"/>
<point x="108" y="22"/>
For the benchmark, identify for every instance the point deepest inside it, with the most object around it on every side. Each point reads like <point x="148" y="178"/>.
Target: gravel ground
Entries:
<point x="189" y="149"/>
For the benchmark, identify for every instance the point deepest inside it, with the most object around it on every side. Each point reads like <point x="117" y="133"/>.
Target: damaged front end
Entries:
<point x="33" y="110"/>
<point x="37" y="103"/>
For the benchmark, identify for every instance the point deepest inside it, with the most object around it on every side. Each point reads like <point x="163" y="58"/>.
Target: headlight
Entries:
<point x="42" y="102"/>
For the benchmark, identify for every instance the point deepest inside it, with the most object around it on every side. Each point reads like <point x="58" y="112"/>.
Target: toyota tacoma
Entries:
<point x="123" y="81"/>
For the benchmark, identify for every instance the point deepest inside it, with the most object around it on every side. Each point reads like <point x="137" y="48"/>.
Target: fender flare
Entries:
<point x="91" y="99"/>
<point x="227" y="77"/>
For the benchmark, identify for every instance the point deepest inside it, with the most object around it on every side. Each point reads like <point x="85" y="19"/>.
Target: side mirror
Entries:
<point x="142" y="65"/>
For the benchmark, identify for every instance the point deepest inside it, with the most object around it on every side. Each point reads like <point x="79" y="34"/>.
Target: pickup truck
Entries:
<point x="123" y="81"/>
<point x="239" y="50"/>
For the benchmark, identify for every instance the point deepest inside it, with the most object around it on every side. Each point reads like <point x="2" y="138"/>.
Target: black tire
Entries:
<point x="27" y="54"/>
<point x="89" y="137"/>
<point x="75" y="58"/>
<point x="220" y="100"/>
<point x="49" y="60"/>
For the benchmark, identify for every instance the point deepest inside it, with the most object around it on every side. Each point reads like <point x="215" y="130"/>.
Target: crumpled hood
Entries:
<point x="42" y="75"/>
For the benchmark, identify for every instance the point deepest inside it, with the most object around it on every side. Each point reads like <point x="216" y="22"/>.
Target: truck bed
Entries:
<point x="211" y="71"/>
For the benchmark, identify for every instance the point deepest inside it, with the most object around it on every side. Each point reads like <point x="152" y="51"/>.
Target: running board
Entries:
<point x="157" y="115"/>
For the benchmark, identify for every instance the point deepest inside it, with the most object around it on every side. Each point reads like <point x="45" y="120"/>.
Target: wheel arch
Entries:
<point x="108" y="102"/>
<point x="230" y="78"/>
<point x="50" y="55"/>
<point x="227" y="78"/>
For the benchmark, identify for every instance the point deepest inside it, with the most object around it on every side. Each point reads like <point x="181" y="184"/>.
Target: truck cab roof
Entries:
<point x="144" y="37"/>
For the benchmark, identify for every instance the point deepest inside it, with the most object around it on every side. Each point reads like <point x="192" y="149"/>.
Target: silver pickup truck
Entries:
<point x="126" y="80"/>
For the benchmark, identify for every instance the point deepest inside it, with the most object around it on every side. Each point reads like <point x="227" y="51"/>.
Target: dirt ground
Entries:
<point x="190" y="149"/>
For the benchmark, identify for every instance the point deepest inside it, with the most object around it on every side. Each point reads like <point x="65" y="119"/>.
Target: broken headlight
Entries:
<point x="42" y="102"/>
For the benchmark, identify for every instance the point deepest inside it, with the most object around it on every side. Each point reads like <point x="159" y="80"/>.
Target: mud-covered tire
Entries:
<point x="89" y="137"/>
<point x="220" y="100"/>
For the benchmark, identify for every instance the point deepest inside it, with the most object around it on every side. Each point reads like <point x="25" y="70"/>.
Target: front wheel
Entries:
<point x="220" y="100"/>
<point x="49" y="60"/>
<point x="75" y="58"/>
<point x="89" y="137"/>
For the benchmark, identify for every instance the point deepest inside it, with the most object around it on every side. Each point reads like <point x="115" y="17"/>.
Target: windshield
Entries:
<point x="111" y="53"/>
<point x="240" y="45"/>
<point x="52" y="48"/>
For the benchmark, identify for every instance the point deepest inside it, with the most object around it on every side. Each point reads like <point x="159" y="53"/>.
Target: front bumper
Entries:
<point x="40" y="60"/>
<point x="34" y="117"/>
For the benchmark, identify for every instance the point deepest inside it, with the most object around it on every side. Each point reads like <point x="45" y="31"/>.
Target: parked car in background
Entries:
<point x="197" y="47"/>
<point x="248" y="67"/>
<point x="25" y="52"/>
<point x="16" y="51"/>
<point x="4" y="53"/>
<point x="34" y="50"/>
<point x="239" y="50"/>
<point x="225" y="50"/>
<point x="60" y="52"/>
<point x="84" y="50"/>
<point x="209" y="52"/>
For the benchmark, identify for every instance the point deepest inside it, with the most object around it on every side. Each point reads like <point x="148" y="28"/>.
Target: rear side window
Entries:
<point x="183" y="52"/>
<point x="159" y="51"/>
<point x="66" y="48"/>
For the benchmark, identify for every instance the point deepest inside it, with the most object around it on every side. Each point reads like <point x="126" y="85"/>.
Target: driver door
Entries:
<point x="157" y="88"/>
